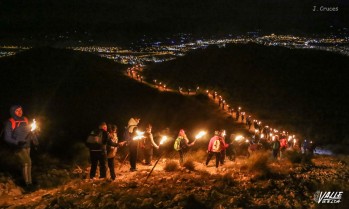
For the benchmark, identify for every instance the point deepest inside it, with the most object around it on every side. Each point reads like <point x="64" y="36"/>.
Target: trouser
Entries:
<point x="133" y="156"/>
<point x="218" y="157"/>
<point x="282" y="152"/>
<point x="111" y="167"/>
<point x="223" y="154"/>
<point x="182" y="154"/>
<point x="26" y="163"/>
<point x="231" y="153"/>
<point x="275" y="153"/>
<point x="97" y="157"/>
<point x="148" y="155"/>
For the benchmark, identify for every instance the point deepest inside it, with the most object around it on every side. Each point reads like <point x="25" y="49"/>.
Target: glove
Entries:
<point x="21" y="143"/>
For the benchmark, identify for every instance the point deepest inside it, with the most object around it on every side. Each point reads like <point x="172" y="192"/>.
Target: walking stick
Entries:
<point x="122" y="163"/>
<point x="154" y="166"/>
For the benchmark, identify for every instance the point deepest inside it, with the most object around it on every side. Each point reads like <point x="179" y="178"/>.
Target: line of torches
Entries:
<point x="216" y="95"/>
<point x="140" y="135"/>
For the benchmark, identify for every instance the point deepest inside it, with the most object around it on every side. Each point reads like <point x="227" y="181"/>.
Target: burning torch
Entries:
<point x="33" y="126"/>
<point x="163" y="139"/>
<point x="200" y="134"/>
<point x="140" y="135"/>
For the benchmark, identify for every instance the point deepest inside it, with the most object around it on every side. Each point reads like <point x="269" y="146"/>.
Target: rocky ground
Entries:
<point x="281" y="184"/>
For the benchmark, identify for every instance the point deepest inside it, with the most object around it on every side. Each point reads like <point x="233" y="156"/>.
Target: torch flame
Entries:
<point x="200" y="134"/>
<point x="163" y="139"/>
<point x="33" y="125"/>
<point x="139" y="136"/>
<point x="238" y="138"/>
<point x="224" y="133"/>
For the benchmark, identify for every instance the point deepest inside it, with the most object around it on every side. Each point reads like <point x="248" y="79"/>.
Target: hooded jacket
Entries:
<point x="19" y="136"/>
<point x="132" y="123"/>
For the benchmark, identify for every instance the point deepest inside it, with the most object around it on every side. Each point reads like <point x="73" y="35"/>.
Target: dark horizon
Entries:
<point x="121" y="20"/>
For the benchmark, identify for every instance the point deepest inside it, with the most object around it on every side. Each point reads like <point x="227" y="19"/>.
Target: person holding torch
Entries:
<point x="181" y="145"/>
<point x="148" y="144"/>
<point x="21" y="136"/>
<point x="215" y="147"/>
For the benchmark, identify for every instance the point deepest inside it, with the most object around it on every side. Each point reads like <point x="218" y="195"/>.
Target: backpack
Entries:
<point x="95" y="137"/>
<point x="216" y="147"/>
<point x="177" y="144"/>
<point x="127" y="136"/>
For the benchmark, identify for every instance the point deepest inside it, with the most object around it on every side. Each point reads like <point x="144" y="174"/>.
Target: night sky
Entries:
<point x="112" y="18"/>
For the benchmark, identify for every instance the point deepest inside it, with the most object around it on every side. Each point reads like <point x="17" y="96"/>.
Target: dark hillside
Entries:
<point x="300" y="90"/>
<point x="70" y="92"/>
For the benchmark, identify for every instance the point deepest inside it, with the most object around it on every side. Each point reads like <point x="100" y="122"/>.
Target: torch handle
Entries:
<point x="153" y="167"/>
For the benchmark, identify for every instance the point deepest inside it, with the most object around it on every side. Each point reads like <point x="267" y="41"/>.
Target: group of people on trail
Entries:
<point x="20" y="137"/>
<point x="103" y="144"/>
<point x="217" y="146"/>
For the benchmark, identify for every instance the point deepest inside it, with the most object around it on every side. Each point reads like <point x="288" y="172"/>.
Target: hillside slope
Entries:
<point x="304" y="91"/>
<point x="70" y="92"/>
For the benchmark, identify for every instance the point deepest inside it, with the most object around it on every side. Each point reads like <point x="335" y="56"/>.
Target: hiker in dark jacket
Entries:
<point x="98" y="151"/>
<point x="19" y="135"/>
<point x="249" y="122"/>
<point x="275" y="147"/>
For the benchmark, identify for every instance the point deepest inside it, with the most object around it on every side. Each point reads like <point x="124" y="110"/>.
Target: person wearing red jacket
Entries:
<point x="215" y="147"/>
<point x="18" y="134"/>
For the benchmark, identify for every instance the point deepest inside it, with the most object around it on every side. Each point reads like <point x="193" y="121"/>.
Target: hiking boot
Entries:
<point x="133" y="169"/>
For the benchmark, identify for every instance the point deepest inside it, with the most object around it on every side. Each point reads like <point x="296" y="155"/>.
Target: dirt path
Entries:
<point x="124" y="176"/>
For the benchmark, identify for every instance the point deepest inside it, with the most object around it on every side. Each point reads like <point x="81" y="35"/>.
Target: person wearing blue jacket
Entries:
<point x="19" y="135"/>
